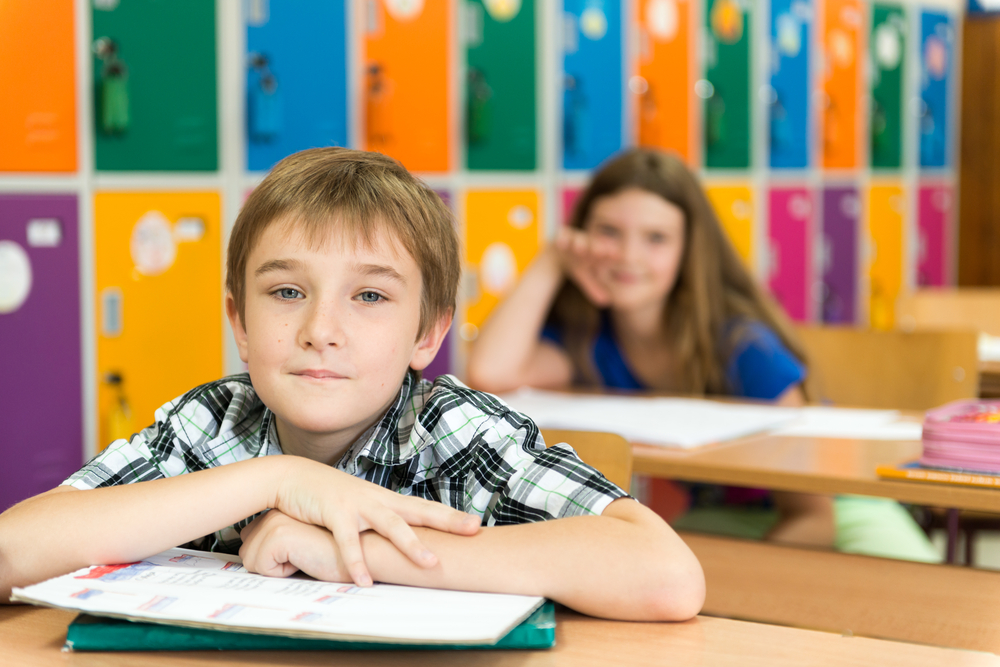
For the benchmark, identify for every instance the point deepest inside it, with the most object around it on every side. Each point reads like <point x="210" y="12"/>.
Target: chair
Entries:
<point x="944" y="308"/>
<point x="609" y="453"/>
<point x="892" y="369"/>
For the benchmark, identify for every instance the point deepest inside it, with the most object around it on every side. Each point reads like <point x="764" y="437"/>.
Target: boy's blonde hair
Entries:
<point x="362" y="196"/>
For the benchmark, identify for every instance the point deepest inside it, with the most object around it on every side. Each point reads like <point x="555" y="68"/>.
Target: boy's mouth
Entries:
<point x="319" y="374"/>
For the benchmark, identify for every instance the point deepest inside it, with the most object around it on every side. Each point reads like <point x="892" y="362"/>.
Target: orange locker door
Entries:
<point x="663" y="81"/>
<point x="38" y="84"/>
<point x="843" y="54"/>
<point x="406" y="93"/>
<point x="159" y="302"/>
<point x="501" y="231"/>
<point x="734" y="206"/>
<point x="886" y="212"/>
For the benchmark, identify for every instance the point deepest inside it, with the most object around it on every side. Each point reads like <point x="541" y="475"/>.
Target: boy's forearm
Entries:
<point x="626" y="564"/>
<point x="62" y="531"/>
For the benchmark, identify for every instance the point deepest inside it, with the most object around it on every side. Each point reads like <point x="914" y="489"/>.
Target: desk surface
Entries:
<point x="811" y="465"/>
<point x="34" y="636"/>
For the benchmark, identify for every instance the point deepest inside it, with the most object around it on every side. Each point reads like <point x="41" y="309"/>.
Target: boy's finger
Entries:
<point x="429" y="514"/>
<point x="350" y="551"/>
<point x="393" y="527"/>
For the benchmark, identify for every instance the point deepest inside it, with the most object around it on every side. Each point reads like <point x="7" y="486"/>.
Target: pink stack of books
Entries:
<point x="964" y="435"/>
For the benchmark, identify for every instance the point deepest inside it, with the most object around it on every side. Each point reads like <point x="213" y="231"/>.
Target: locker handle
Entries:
<point x="264" y="110"/>
<point x="715" y="119"/>
<point x="479" y="119"/>
<point x="377" y="102"/>
<point x="577" y="133"/>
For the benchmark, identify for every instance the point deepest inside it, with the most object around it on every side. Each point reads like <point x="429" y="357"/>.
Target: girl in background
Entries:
<point x="644" y="291"/>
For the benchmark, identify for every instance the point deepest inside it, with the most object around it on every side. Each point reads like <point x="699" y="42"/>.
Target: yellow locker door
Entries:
<point x="886" y="211"/>
<point x="158" y="301"/>
<point x="734" y="205"/>
<point x="501" y="232"/>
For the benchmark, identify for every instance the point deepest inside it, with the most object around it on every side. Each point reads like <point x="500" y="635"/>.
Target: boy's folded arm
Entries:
<point x="64" y="530"/>
<point x="625" y="564"/>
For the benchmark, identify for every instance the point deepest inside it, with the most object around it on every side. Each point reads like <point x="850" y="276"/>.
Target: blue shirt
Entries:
<point x="760" y="366"/>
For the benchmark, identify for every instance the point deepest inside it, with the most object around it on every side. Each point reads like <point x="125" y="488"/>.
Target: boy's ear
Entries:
<point x="427" y="347"/>
<point x="239" y="331"/>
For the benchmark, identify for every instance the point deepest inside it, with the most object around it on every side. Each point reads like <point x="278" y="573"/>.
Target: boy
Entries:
<point x="341" y="283"/>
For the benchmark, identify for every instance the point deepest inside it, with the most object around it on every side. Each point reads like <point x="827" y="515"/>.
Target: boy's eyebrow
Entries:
<point x="380" y="270"/>
<point x="277" y="265"/>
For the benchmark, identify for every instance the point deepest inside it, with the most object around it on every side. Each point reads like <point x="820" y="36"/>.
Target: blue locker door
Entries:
<point x="791" y="34"/>
<point x="296" y="66"/>
<point x="937" y="50"/>
<point x="592" y="82"/>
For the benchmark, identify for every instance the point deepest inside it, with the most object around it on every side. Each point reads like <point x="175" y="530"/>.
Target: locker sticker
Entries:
<point x="44" y="233"/>
<point x="404" y="10"/>
<point x="152" y="244"/>
<point x="498" y="269"/>
<point x="502" y="10"/>
<point x="662" y="19"/>
<point x="520" y="217"/>
<point x="15" y="276"/>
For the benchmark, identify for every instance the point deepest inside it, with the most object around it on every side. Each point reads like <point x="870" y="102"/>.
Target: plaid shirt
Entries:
<point x="440" y="441"/>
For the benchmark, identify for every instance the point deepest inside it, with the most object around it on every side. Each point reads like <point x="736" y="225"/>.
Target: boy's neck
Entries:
<point x="326" y="448"/>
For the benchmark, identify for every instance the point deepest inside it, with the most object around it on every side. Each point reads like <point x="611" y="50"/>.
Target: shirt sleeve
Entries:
<point x="761" y="366"/>
<point x="531" y="482"/>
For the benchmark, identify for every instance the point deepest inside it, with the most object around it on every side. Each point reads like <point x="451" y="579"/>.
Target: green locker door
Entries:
<point x="888" y="55"/>
<point x="500" y="84"/>
<point x="726" y="94"/>
<point x="154" y="85"/>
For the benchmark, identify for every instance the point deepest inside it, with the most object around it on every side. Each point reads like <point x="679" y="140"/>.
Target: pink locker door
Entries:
<point x="934" y="211"/>
<point x="791" y="213"/>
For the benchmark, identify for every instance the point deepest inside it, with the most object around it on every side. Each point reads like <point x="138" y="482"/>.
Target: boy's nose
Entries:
<point x="324" y="326"/>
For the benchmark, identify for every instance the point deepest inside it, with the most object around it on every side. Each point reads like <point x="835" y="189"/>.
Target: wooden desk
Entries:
<point x="810" y="465"/>
<point x="34" y="636"/>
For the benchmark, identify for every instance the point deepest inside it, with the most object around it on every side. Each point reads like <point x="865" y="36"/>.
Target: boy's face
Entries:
<point x="328" y="332"/>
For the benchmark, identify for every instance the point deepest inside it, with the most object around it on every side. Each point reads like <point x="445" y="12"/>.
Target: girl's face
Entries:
<point x="642" y="236"/>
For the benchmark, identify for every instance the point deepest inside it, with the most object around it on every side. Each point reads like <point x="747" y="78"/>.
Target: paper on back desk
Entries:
<point x="674" y="422"/>
<point x="830" y="422"/>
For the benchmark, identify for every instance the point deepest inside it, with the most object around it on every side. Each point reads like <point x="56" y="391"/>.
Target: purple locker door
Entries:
<point x="934" y="216"/>
<point x="791" y="212"/>
<point x="841" y="208"/>
<point x="443" y="363"/>
<point x="40" y="399"/>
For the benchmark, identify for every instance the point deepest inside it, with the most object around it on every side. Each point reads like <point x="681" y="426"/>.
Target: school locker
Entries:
<point x="154" y="85"/>
<point x="888" y="61"/>
<point x="791" y="214"/>
<point x="937" y="49"/>
<point x="886" y="210"/>
<point x="842" y="57"/>
<point x="592" y="82"/>
<point x="500" y="128"/>
<point x="934" y="219"/>
<point x="38" y="114"/>
<point x="839" y="260"/>
<point x="296" y="64"/>
<point x="734" y="206"/>
<point x="444" y="362"/>
<point x="40" y="395"/>
<point x="663" y="83"/>
<point x="726" y="87"/>
<point x="405" y="91"/>
<point x="158" y="302"/>
<point x="789" y="93"/>
<point x="501" y="229"/>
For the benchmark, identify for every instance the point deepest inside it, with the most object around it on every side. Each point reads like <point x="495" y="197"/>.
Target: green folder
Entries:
<point x="98" y="633"/>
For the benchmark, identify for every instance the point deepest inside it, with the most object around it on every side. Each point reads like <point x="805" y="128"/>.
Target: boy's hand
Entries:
<point x="276" y="545"/>
<point x="347" y="506"/>
<point x="581" y="256"/>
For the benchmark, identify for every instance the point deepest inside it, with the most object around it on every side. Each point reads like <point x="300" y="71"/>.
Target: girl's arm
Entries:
<point x="509" y="351"/>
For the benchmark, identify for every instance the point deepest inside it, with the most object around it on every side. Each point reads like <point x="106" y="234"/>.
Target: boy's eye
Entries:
<point x="370" y="297"/>
<point x="289" y="293"/>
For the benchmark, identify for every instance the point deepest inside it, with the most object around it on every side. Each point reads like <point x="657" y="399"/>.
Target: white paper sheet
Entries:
<point x="674" y="422"/>
<point x="186" y="587"/>
<point x="828" y="422"/>
<point x="688" y="423"/>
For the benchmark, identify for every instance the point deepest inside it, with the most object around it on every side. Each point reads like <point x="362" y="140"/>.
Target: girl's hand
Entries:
<point x="317" y="494"/>
<point x="277" y="545"/>
<point x="581" y="258"/>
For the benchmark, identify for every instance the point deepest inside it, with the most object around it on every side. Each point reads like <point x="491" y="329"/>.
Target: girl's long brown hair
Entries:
<point x="713" y="298"/>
